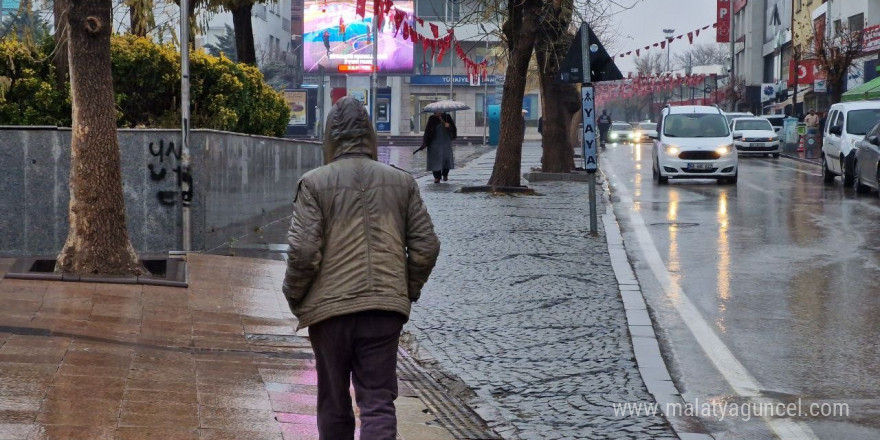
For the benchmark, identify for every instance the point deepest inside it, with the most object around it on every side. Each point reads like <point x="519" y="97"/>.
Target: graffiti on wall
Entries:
<point x="168" y="156"/>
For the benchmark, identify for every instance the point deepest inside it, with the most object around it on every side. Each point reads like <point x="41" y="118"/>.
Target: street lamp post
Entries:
<point x="669" y="34"/>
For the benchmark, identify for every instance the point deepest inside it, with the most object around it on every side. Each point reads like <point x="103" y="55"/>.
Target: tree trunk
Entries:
<point x="97" y="242"/>
<point x="244" y="33"/>
<point x="138" y="22"/>
<point x="521" y="29"/>
<point x="60" y="59"/>
<point x="560" y="102"/>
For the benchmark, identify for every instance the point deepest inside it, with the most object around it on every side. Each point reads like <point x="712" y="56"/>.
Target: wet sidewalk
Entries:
<point x="219" y="360"/>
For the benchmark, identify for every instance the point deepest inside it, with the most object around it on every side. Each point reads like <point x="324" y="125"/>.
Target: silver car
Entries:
<point x="867" y="161"/>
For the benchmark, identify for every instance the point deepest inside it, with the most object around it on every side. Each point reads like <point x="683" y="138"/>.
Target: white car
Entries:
<point x="694" y="142"/>
<point x="755" y="136"/>
<point x="646" y="131"/>
<point x="846" y="125"/>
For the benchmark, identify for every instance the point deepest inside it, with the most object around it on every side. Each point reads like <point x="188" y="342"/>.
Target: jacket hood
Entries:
<point x="349" y="131"/>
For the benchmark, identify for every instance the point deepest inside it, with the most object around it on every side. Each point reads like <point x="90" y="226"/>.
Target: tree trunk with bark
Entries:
<point x="244" y="33"/>
<point x="521" y="30"/>
<point x="137" y="19"/>
<point x="559" y="100"/>
<point x="60" y="58"/>
<point x="97" y="242"/>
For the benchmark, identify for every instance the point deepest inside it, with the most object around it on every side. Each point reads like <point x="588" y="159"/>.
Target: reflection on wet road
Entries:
<point x="782" y="268"/>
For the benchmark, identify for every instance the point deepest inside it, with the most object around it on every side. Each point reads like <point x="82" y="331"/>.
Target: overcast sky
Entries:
<point x="643" y="25"/>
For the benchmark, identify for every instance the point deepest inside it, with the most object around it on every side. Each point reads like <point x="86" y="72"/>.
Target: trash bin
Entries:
<point x="812" y="145"/>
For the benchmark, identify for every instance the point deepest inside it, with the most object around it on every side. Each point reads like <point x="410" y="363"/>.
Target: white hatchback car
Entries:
<point x="755" y="136"/>
<point x="694" y="142"/>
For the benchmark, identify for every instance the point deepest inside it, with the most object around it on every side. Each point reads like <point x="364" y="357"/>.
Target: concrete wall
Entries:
<point x="240" y="182"/>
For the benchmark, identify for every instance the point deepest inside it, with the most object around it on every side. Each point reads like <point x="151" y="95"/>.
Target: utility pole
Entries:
<point x="795" y="59"/>
<point x="732" y="78"/>
<point x="185" y="173"/>
<point x="669" y="34"/>
<point x="485" y="90"/>
<point x="374" y="76"/>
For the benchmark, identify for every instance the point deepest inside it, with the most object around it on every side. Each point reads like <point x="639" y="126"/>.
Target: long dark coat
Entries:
<point x="438" y="140"/>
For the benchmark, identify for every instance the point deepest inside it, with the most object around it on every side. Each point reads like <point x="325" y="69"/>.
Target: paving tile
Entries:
<point x="15" y="431"/>
<point x="68" y="432"/>
<point x="152" y="433"/>
<point x="160" y="414"/>
<point x="222" y="434"/>
<point x="179" y="397"/>
<point x="295" y="431"/>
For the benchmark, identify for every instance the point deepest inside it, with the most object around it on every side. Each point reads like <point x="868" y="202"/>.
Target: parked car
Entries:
<point x="734" y="115"/>
<point x="645" y="131"/>
<point x="846" y="126"/>
<point x="867" y="161"/>
<point x="621" y="133"/>
<point x="777" y="121"/>
<point x="694" y="142"/>
<point x="755" y="136"/>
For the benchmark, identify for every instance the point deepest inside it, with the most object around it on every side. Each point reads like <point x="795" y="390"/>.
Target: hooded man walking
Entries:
<point x="362" y="245"/>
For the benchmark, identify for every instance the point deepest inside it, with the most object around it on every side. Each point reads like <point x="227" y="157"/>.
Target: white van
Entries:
<point x="694" y="142"/>
<point x="846" y="125"/>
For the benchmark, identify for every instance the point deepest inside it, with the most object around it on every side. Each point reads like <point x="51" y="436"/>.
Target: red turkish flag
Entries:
<point x="360" y="8"/>
<point x="435" y="30"/>
<point x="691" y="37"/>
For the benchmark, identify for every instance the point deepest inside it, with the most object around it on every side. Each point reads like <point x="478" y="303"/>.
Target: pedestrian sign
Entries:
<point x="589" y="117"/>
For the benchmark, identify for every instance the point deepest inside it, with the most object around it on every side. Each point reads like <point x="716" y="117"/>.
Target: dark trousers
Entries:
<point x="444" y="174"/>
<point x="360" y="348"/>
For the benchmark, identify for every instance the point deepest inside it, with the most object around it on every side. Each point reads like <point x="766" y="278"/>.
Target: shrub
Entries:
<point x="29" y="95"/>
<point x="146" y="80"/>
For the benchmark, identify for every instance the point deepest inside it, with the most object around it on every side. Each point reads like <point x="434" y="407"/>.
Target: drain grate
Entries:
<point x="458" y="419"/>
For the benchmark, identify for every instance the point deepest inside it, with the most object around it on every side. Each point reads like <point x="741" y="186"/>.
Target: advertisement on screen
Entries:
<point x="341" y="41"/>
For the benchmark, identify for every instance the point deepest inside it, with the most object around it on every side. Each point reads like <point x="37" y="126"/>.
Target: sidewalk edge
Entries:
<point x="640" y="325"/>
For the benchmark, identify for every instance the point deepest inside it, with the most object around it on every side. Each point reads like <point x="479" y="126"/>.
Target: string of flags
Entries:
<point x="662" y="44"/>
<point x="645" y="85"/>
<point x="404" y="22"/>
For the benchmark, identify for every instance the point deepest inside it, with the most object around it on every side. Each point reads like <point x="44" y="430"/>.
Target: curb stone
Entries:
<point x="644" y="339"/>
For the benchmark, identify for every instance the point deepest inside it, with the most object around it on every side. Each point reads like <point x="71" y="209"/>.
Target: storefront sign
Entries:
<point x="820" y="86"/>
<point x="871" y="38"/>
<point x="723" y="22"/>
<point x="458" y="80"/>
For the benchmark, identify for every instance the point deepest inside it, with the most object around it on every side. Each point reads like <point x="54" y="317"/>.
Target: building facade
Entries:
<point x="771" y="34"/>
<point x="400" y="97"/>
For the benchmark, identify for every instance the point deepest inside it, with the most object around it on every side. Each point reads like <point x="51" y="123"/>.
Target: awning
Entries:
<point x="868" y="90"/>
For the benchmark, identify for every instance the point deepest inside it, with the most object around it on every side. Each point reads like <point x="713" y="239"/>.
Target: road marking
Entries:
<point x="777" y="164"/>
<point x="733" y="371"/>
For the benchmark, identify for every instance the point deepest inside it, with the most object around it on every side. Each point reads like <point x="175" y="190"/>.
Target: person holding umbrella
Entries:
<point x="440" y="131"/>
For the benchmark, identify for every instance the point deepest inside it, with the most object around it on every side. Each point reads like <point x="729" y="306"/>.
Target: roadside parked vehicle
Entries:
<point x="847" y="124"/>
<point x="867" y="161"/>
<point x="777" y="121"/>
<point x="755" y="136"/>
<point x="621" y="133"/>
<point x="694" y="142"/>
<point x="734" y="115"/>
<point x="645" y="131"/>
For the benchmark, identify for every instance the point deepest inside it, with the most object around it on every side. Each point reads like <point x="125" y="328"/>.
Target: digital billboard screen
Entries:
<point x="338" y="39"/>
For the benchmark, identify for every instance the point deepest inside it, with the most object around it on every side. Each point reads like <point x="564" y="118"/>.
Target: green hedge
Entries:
<point x="146" y="80"/>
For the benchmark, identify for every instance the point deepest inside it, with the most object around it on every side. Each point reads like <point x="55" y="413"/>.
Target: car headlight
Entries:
<point x="672" y="150"/>
<point x="632" y="135"/>
<point x="613" y="135"/>
<point x="724" y="149"/>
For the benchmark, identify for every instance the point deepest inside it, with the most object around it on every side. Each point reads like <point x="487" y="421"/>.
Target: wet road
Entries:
<point x="765" y="292"/>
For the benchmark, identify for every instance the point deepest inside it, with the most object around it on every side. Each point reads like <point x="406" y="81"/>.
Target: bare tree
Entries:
<point x="520" y="31"/>
<point x="702" y="55"/>
<point x="835" y="54"/>
<point x="649" y="64"/>
<point x="97" y="242"/>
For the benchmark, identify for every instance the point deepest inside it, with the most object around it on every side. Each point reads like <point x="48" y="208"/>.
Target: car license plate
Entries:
<point x="757" y="145"/>
<point x="700" y="166"/>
